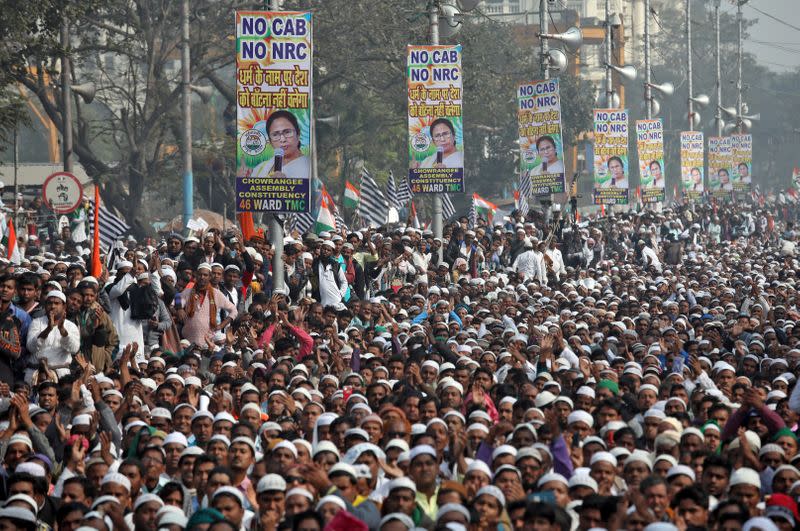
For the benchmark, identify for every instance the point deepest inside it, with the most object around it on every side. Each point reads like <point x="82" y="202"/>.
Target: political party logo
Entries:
<point x="529" y="156"/>
<point x="421" y="142"/>
<point x="253" y="142"/>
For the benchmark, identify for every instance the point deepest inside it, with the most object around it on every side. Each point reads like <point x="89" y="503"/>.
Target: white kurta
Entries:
<point x="129" y="330"/>
<point x="330" y="294"/>
<point x="54" y="348"/>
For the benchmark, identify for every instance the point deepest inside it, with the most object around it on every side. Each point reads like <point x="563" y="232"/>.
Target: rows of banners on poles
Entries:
<point x="274" y="111"/>
<point x="435" y="122"/>
<point x="729" y="161"/>
<point x="274" y="52"/>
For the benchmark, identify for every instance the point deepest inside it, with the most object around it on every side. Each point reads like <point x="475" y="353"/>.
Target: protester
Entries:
<point x="631" y="371"/>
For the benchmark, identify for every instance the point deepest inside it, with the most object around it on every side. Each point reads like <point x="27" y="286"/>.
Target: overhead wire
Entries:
<point x="776" y="19"/>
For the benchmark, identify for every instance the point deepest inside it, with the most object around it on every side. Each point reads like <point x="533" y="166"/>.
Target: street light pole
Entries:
<point x="648" y="93"/>
<point x="739" y="128"/>
<point x="544" y="46"/>
<point x="186" y="110"/>
<point x="544" y="49"/>
<point x="689" y="61"/>
<point x="66" y="97"/>
<point x="718" y="114"/>
<point x="275" y="226"/>
<point x="609" y="58"/>
<point x="433" y="16"/>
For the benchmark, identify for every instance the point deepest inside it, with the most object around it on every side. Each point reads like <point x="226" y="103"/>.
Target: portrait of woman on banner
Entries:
<point x="743" y="172"/>
<point x="615" y="176"/>
<point x="283" y="131"/>
<point x="548" y="152"/>
<point x="724" y="177"/>
<point x="444" y="139"/>
<point x="695" y="182"/>
<point x="653" y="176"/>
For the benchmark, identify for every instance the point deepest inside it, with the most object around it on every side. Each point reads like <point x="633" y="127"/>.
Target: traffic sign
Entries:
<point x="62" y="192"/>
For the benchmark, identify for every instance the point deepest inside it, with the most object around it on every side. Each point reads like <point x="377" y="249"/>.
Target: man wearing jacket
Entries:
<point x="99" y="338"/>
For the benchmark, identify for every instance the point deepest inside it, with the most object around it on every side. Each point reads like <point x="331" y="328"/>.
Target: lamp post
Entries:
<point x="739" y="113"/>
<point x="66" y="96"/>
<point x="438" y="232"/>
<point x="275" y="226"/>
<point x="718" y="71"/>
<point x="648" y="93"/>
<point x="625" y="71"/>
<point x="544" y="46"/>
<point x="186" y="111"/>
<point x="609" y="58"/>
<point x="689" y="61"/>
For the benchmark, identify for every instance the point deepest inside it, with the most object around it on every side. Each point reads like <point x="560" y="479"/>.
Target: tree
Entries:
<point x="128" y="49"/>
<point x="129" y="141"/>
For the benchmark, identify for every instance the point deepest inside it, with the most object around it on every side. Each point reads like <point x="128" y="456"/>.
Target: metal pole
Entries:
<point x="66" y="97"/>
<point x="186" y="110"/>
<point x="16" y="171"/>
<point x="544" y="49"/>
<point x="433" y="16"/>
<point x="544" y="46"/>
<point x="689" y="61"/>
<point x="739" y="127"/>
<point x="609" y="58"/>
<point x="718" y="114"/>
<point x="648" y="93"/>
<point x="275" y="225"/>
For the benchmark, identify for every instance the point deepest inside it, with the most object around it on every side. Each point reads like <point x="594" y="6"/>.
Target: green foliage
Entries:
<point x="360" y="74"/>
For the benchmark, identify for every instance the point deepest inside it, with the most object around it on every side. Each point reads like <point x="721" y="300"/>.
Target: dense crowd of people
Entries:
<point x="633" y="371"/>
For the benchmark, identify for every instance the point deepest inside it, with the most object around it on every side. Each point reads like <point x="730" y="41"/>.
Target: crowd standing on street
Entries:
<point x="634" y="371"/>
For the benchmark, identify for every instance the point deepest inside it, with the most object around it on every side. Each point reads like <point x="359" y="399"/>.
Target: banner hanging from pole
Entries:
<point x="611" y="157"/>
<point x="720" y="160"/>
<point x="742" y="152"/>
<point x="540" y="143"/>
<point x="650" y="147"/>
<point x="435" y="126"/>
<point x="692" y="164"/>
<point x="274" y="111"/>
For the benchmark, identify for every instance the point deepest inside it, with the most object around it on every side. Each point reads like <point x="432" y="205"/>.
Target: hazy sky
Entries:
<point x="776" y="34"/>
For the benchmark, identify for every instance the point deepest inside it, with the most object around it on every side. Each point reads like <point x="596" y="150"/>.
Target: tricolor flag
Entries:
<point x="412" y="217"/>
<point x="351" y="195"/>
<point x="13" y="251"/>
<point x="326" y="222"/>
<point x="483" y="207"/>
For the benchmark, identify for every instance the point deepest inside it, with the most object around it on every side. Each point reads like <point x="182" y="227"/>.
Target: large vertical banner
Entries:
<point x="435" y="127"/>
<point x="650" y="147"/>
<point x="742" y="149"/>
<point x="540" y="144"/>
<point x="611" y="156"/>
<point x="720" y="158"/>
<point x="274" y="111"/>
<point x="692" y="167"/>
